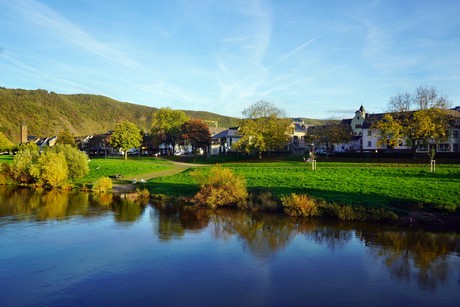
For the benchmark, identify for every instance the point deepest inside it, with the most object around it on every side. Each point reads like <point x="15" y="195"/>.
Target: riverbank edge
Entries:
<point x="414" y="218"/>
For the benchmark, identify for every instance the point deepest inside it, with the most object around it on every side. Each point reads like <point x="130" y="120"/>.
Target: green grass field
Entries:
<point x="6" y="158"/>
<point x="100" y="167"/>
<point x="370" y="184"/>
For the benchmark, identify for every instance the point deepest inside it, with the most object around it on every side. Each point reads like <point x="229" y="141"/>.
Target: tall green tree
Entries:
<point x="264" y="128"/>
<point x="416" y="117"/>
<point x="166" y="125"/>
<point x="126" y="135"/>
<point x="5" y="143"/>
<point x="196" y="133"/>
<point x="65" y="137"/>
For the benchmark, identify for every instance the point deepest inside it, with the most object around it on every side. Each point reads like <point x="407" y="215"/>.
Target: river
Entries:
<point x="78" y="249"/>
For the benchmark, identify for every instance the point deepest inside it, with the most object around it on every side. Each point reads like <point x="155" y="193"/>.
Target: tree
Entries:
<point x="28" y="155"/>
<point x="5" y="143"/>
<point x="126" y="135"/>
<point x="76" y="160"/>
<point x="265" y="128"/>
<point x="416" y="117"/>
<point x="196" y="133"/>
<point x="327" y="135"/>
<point x="66" y="138"/>
<point x="50" y="169"/>
<point x="166" y="124"/>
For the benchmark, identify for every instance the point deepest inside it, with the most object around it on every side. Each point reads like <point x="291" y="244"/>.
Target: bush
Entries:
<point x="6" y="173"/>
<point x="144" y="194"/>
<point x="2" y="179"/>
<point x="220" y="187"/>
<point x="300" y="205"/>
<point x="50" y="169"/>
<point x="23" y="161"/>
<point x="77" y="161"/>
<point x="260" y="201"/>
<point x="103" y="184"/>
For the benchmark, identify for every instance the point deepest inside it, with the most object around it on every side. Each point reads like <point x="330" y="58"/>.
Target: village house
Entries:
<point x="297" y="133"/>
<point x="365" y="138"/>
<point x="222" y="142"/>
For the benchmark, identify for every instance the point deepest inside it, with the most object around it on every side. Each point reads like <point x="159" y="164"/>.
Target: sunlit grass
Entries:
<point x="100" y="167"/>
<point x="395" y="185"/>
<point x="6" y="158"/>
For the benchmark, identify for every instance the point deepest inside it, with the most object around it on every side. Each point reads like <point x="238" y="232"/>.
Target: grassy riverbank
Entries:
<point x="128" y="169"/>
<point x="405" y="186"/>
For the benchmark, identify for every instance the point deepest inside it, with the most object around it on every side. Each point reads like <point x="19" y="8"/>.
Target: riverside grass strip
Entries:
<point x="100" y="167"/>
<point x="377" y="185"/>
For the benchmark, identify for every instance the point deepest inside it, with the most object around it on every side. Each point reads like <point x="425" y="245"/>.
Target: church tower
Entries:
<point x="23" y="133"/>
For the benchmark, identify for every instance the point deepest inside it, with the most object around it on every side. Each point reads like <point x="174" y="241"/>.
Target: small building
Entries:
<point x="222" y="142"/>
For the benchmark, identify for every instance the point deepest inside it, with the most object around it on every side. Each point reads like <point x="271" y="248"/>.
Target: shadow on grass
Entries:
<point x="372" y="200"/>
<point x="172" y="189"/>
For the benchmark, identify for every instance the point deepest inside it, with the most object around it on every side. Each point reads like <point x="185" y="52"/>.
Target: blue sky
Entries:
<point x="316" y="59"/>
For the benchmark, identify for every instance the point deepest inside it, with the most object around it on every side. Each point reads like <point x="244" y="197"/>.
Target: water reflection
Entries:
<point x="414" y="255"/>
<point x="175" y="219"/>
<point x="41" y="205"/>
<point x="411" y="256"/>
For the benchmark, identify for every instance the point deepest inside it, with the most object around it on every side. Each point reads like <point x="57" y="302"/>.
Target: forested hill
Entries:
<point x="47" y="113"/>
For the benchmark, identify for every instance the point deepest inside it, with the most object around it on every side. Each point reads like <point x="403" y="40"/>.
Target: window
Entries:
<point x="369" y="143"/>
<point x="456" y="147"/>
<point x="455" y="134"/>
<point x="369" y="132"/>
<point x="357" y="126"/>
<point x="443" y="147"/>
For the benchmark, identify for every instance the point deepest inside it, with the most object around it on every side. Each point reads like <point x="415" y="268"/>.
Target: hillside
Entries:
<point x="48" y="113"/>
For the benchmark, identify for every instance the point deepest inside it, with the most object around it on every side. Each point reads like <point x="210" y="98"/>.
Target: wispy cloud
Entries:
<point x="44" y="17"/>
<point x="296" y="50"/>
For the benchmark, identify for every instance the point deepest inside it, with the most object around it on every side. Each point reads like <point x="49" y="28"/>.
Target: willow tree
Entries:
<point x="126" y="135"/>
<point x="415" y="117"/>
<point x="265" y="128"/>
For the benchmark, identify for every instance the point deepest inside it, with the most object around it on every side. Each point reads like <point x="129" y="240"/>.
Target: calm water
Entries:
<point x="65" y="249"/>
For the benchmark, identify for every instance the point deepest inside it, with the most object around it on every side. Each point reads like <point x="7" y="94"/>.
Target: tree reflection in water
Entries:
<point x="417" y="255"/>
<point x="27" y="204"/>
<point x="408" y="254"/>
<point x="427" y="258"/>
<point x="175" y="219"/>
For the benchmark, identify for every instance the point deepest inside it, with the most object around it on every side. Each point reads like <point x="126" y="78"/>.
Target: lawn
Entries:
<point x="6" y="158"/>
<point x="100" y="167"/>
<point x="370" y="184"/>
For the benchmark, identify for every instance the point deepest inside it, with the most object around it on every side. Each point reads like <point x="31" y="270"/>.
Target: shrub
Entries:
<point x="23" y="161"/>
<point x="5" y="173"/>
<point x="300" y="205"/>
<point x="103" y="184"/>
<point x="77" y="161"/>
<point x="260" y="201"/>
<point x="144" y="194"/>
<point x="50" y="169"/>
<point x="220" y="187"/>
<point x="2" y="179"/>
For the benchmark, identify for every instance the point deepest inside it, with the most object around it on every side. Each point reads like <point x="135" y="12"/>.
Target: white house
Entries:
<point x="365" y="138"/>
<point x="222" y="142"/>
